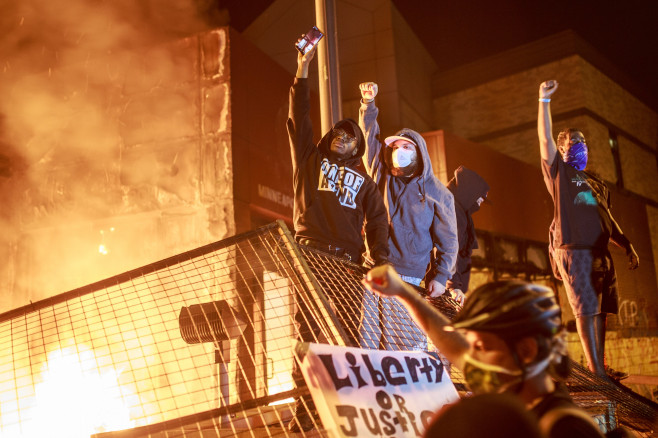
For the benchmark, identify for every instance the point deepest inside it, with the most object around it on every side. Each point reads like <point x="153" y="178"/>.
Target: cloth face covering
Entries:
<point x="576" y="156"/>
<point x="484" y="378"/>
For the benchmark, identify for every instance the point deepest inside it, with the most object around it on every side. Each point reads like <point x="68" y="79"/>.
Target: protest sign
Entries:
<point x="363" y="393"/>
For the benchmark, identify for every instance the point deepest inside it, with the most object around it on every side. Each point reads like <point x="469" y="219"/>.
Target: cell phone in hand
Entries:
<point x="309" y="40"/>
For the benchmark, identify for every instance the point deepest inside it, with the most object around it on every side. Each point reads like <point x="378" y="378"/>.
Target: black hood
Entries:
<point x="467" y="186"/>
<point x="351" y="127"/>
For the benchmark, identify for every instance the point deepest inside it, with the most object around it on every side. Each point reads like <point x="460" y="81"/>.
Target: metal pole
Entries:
<point x="329" y="78"/>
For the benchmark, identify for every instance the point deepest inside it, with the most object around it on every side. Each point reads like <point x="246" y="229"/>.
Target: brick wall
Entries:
<point x="632" y="355"/>
<point x="502" y="114"/>
<point x="638" y="166"/>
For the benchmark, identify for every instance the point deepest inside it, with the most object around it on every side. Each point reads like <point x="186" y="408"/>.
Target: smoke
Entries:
<point x="42" y="39"/>
<point x="65" y="66"/>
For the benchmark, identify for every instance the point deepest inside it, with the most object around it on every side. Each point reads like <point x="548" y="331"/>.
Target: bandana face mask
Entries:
<point x="576" y="156"/>
<point x="483" y="378"/>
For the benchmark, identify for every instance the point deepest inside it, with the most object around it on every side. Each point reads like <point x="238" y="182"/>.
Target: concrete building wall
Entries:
<point x="262" y="166"/>
<point x="374" y="44"/>
<point x="132" y="169"/>
<point x="520" y="205"/>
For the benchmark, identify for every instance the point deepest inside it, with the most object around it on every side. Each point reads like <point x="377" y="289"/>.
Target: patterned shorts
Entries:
<point x="589" y="280"/>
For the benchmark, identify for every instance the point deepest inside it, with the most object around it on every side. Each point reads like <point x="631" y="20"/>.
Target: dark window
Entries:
<point x="506" y="257"/>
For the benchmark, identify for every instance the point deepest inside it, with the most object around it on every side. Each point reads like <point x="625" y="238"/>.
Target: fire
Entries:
<point x="74" y="401"/>
<point x="280" y="380"/>
<point x="102" y="248"/>
<point x="278" y="327"/>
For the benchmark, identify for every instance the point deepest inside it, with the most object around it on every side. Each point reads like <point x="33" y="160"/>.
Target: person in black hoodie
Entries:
<point x="470" y="191"/>
<point x="333" y="202"/>
<point x="333" y="198"/>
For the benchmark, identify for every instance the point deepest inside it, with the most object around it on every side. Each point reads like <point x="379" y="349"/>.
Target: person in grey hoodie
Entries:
<point x="421" y="214"/>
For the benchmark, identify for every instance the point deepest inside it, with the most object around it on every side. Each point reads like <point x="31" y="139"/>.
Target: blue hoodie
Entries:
<point x="421" y="211"/>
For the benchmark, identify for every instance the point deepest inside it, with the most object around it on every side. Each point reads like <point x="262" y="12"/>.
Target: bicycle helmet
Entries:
<point x="511" y="310"/>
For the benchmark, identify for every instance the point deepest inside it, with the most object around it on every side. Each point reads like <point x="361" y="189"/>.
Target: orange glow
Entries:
<point x="281" y="389"/>
<point x="278" y="328"/>
<point x="75" y="400"/>
<point x="102" y="248"/>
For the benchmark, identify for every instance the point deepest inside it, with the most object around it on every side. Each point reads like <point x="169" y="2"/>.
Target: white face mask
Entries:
<point x="403" y="157"/>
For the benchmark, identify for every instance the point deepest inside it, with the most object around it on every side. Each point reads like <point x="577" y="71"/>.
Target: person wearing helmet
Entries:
<point x="508" y="338"/>
<point x="421" y="212"/>
<point x="581" y="230"/>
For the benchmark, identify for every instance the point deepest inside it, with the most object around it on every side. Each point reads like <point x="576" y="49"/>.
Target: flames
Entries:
<point x="102" y="248"/>
<point x="75" y="399"/>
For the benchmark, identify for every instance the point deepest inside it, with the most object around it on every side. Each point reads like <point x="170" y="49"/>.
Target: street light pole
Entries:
<point x="329" y="76"/>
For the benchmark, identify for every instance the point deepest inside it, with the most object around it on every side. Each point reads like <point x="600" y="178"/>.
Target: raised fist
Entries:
<point x="546" y="89"/>
<point x="368" y="91"/>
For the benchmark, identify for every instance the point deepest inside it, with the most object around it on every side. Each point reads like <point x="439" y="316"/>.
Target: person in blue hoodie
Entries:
<point x="421" y="213"/>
